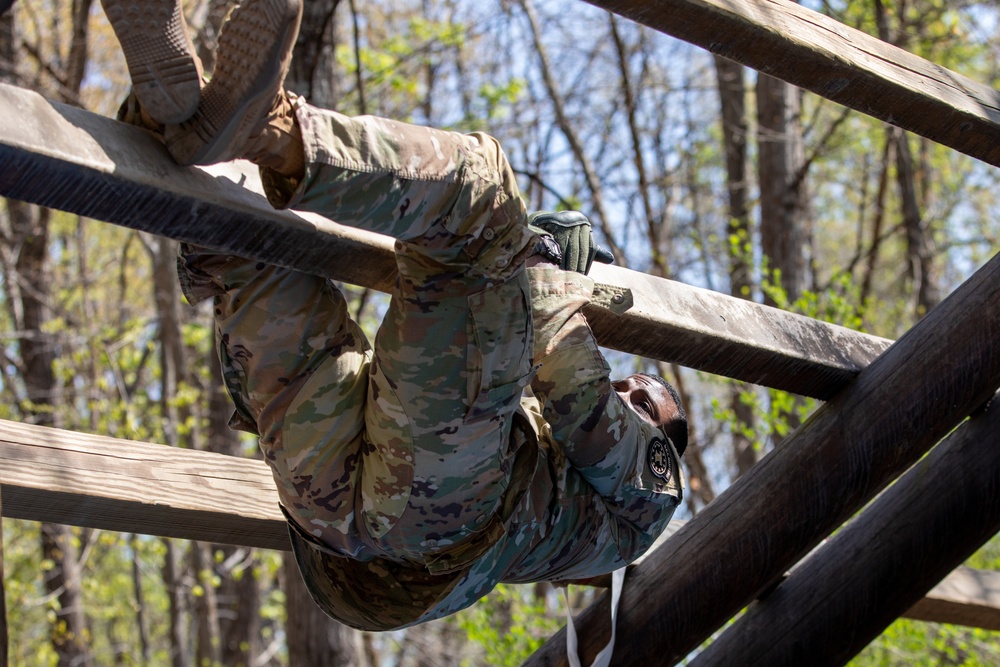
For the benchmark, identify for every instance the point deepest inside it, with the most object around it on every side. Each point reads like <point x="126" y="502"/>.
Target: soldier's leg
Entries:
<point x="454" y="350"/>
<point x="296" y="367"/>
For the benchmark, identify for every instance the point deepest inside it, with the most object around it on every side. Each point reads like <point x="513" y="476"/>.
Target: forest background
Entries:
<point x="691" y="167"/>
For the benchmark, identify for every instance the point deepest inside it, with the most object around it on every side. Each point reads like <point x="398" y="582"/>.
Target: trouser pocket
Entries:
<point x="500" y="348"/>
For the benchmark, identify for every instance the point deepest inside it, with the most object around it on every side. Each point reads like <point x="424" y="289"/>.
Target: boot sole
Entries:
<point x="253" y="55"/>
<point x="160" y="56"/>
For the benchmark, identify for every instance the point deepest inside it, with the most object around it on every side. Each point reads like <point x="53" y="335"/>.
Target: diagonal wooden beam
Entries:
<point x="879" y="565"/>
<point x="815" y="52"/>
<point x="941" y="371"/>
<point x="75" y="161"/>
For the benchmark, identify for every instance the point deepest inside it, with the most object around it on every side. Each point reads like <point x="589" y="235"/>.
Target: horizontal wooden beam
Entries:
<point x="48" y="474"/>
<point x="840" y="63"/>
<point x="881" y="563"/>
<point x="111" y="484"/>
<point x="965" y="597"/>
<point x="75" y="161"/>
<point x="938" y="373"/>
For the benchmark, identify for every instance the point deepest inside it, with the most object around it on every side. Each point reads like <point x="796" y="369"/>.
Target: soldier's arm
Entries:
<point x="587" y="417"/>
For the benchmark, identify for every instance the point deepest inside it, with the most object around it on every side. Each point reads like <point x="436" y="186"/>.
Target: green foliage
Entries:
<point x="392" y="60"/>
<point x="509" y="625"/>
<point x="908" y="643"/>
<point x="496" y="100"/>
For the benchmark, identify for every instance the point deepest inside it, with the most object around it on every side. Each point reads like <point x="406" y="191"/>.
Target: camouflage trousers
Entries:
<point x="400" y="449"/>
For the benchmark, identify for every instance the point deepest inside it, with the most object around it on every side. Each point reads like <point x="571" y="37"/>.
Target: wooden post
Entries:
<point x="881" y="564"/>
<point x="942" y="370"/>
<point x="833" y="60"/>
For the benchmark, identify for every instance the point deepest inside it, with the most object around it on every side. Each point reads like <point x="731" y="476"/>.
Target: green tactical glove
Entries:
<point x="572" y="232"/>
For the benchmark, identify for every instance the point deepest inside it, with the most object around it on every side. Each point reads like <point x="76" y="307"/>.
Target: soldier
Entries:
<point x="481" y="440"/>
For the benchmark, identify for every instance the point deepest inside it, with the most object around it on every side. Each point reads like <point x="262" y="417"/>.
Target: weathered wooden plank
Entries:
<point x="965" y="597"/>
<point x="840" y="63"/>
<point x="882" y="563"/>
<point x="731" y="337"/>
<point x="126" y="486"/>
<point x="75" y="161"/>
<point x="86" y="480"/>
<point x="942" y="370"/>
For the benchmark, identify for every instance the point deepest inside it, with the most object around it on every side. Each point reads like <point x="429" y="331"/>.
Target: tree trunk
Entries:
<point x="918" y="237"/>
<point x="919" y="269"/>
<point x="173" y="580"/>
<point x="173" y="365"/>
<point x="732" y="97"/>
<point x="237" y="595"/>
<point x="29" y="227"/>
<point x="312" y="637"/>
<point x="238" y="600"/>
<point x="783" y="201"/>
<point x="878" y="219"/>
<point x="312" y="71"/>
<point x="69" y="632"/>
<point x="784" y="234"/>
<point x="140" y="600"/>
<point x="206" y="610"/>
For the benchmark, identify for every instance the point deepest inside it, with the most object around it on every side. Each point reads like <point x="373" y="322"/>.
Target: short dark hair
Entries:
<point x="677" y="428"/>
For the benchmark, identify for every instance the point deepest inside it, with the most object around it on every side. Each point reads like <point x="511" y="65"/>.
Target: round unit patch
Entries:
<point x="659" y="459"/>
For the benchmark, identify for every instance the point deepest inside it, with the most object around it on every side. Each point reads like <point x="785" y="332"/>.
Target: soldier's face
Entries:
<point x="648" y="398"/>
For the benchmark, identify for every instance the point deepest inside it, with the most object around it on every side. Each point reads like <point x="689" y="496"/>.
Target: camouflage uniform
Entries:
<point x="417" y="476"/>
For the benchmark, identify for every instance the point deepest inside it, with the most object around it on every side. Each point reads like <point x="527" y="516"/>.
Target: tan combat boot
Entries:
<point x="166" y="73"/>
<point x="244" y="113"/>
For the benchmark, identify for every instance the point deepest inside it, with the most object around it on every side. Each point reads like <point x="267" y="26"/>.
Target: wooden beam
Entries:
<point x="820" y="54"/>
<point x="882" y="563"/>
<point x="87" y="480"/>
<point x="965" y="597"/>
<point x="942" y="370"/>
<point x="75" y="161"/>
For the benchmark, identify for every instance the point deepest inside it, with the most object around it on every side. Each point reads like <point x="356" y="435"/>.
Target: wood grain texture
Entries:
<point x="840" y="63"/>
<point x="732" y="337"/>
<point x="52" y="475"/>
<point x="75" y="161"/>
<point x="48" y="474"/>
<point x="883" y="562"/>
<point x="942" y="370"/>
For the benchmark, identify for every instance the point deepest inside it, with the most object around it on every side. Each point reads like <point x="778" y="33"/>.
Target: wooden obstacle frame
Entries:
<point x="744" y="549"/>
